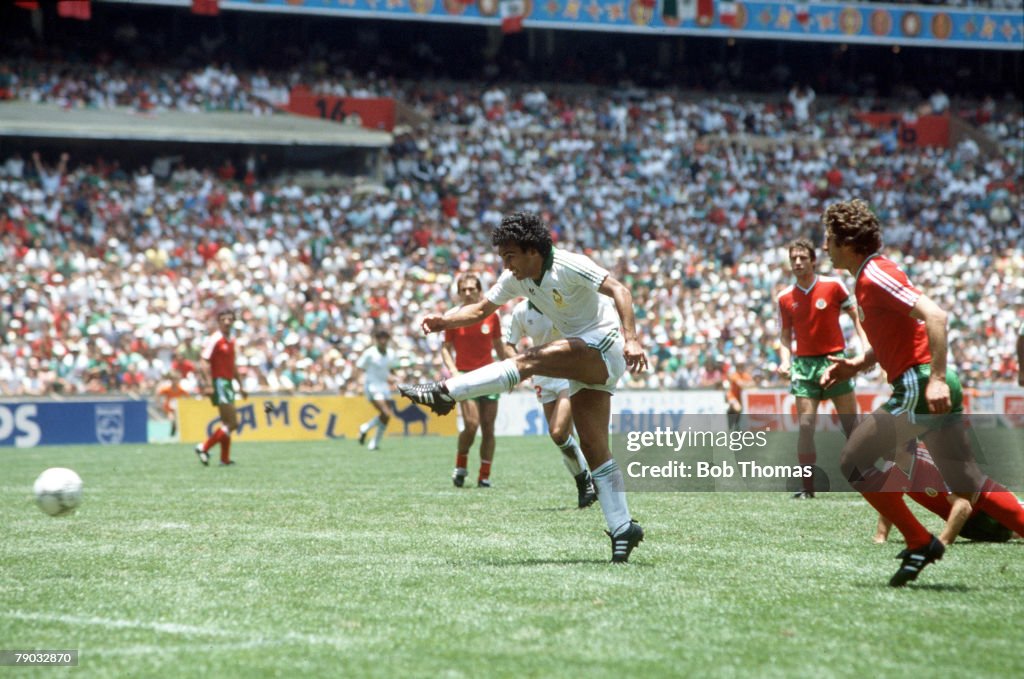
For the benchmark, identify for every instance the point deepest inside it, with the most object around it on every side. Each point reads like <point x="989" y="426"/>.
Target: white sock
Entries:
<point x="367" y="426"/>
<point x="491" y="379"/>
<point x="611" y="493"/>
<point x="379" y="435"/>
<point x="572" y="456"/>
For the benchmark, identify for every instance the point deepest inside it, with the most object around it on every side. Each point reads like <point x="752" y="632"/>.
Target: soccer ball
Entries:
<point x="58" y="491"/>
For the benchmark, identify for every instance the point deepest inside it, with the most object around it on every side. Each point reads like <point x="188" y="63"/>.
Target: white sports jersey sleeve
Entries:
<point x="516" y="328"/>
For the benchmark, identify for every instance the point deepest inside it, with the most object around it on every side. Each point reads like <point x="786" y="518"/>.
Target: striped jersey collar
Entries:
<point x="862" y="265"/>
<point x="548" y="261"/>
<point x="810" y="287"/>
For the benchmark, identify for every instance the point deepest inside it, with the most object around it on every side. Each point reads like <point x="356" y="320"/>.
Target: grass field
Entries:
<point x="324" y="559"/>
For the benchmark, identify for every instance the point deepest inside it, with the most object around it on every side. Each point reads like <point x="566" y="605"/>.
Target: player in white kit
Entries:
<point x="553" y="393"/>
<point x="376" y="363"/>
<point x="591" y="354"/>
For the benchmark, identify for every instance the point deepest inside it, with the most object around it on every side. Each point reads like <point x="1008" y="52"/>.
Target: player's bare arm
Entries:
<point x="448" y="357"/>
<point x="636" y="360"/>
<point x="785" y="353"/>
<point x="467" y="314"/>
<point x="937" y="391"/>
<point x="858" y="328"/>
<point x="846" y="368"/>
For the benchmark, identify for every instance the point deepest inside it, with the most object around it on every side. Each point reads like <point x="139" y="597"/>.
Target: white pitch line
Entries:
<point x="179" y="629"/>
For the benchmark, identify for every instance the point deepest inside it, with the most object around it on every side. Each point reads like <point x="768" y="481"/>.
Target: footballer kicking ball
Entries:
<point x="58" y="491"/>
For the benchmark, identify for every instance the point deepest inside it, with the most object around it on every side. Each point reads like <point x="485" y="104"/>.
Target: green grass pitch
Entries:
<point x="323" y="559"/>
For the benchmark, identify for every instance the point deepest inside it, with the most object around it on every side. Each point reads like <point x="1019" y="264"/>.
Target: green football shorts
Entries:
<point x="908" y="392"/>
<point x="806" y="378"/>
<point x="223" y="392"/>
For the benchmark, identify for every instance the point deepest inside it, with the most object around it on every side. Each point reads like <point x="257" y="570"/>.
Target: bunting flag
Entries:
<point x="681" y="10"/>
<point x="803" y="12"/>
<point x="512" y="12"/>
<point x="727" y="12"/>
<point x="705" y="12"/>
<point x="209" y="8"/>
<point x="74" y="9"/>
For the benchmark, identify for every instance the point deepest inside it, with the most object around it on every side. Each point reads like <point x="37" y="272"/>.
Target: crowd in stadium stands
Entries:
<point x="109" y="278"/>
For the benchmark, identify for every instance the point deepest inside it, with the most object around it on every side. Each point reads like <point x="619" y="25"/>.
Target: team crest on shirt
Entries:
<point x="485" y="330"/>
<point x="820" y="304"/>
<point x="931" y="492"/>
<point x="557" y="296"/>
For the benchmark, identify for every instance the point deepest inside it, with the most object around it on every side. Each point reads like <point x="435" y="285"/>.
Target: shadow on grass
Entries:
<point x="931" y="587"/>
<point x="567" y="562"/>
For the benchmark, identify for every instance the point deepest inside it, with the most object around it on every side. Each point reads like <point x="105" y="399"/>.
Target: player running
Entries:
<point x="907" y="333"/>
<point x="468" y="348"/>
<point x="809" y="310"/>
<point x="376" y="362"/>
<point x="219" y="356"/>
<point x="591" y="354"/>
<point x="553" y="393"/>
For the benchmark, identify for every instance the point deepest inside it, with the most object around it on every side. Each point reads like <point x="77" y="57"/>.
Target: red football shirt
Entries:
<point x="220" y="352"/>
<point x="813" y="315"/>
<point x="473" y="344"/>
<point x="885" y="297"/>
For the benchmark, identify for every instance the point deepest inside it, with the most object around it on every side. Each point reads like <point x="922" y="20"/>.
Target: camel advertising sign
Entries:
<point x="306" y="418"/>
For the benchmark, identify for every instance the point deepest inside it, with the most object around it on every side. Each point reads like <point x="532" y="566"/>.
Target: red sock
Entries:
<point x="485" y="470"/>
<point x="215" y="438"/>
<point x="892" y="507"/>
<point x="225" y="449"/>
<point x="936" y="504"/>
<point x="461" y="460"/>
<point x="1004" y="507"/>
<point x="806" y="459"/>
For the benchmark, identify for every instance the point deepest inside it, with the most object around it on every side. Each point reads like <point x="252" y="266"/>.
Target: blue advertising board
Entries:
<point x="25" y="424"/>
<point x="864" y="23"/>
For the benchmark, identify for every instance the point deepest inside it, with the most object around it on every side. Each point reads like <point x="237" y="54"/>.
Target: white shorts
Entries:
<point x="548" y="388"/>
<point x="611" y="346"/>
<point x="377" y="392"/>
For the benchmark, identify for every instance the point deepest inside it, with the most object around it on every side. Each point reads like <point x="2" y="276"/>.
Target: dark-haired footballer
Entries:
<point x="592" y="354"/>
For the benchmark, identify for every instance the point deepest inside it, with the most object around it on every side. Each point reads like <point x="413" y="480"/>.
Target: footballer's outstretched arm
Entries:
<point x="461" y="317"/>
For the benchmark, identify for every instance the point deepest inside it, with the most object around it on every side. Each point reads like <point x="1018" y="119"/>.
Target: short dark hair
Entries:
<point x="524" y="229"/>
<point x="803" y="244"/>
<point x="382" y="333"/>
<point x="469" y="276"/>
<point x="853" y="223"/>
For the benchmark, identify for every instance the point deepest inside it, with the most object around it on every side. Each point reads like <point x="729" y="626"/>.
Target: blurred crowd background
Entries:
<point x="688" y="191"/>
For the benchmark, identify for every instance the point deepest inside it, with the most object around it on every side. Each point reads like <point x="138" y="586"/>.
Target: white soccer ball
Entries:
<point x="58" y="491"/>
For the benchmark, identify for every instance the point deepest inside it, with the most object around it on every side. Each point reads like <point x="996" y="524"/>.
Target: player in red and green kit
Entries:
<point x="466" y="349"/>
<point x="907" y="333"/>
<point x="219" y="355"/>
<point x="997" y="513"/>
<point x="809" y="312"/>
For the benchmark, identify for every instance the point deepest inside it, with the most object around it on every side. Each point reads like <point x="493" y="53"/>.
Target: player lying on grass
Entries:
<point x="996" y="516"/>
<point x="592" y="354"/>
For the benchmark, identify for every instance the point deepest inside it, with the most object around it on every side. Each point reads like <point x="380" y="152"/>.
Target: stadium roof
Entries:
<point x="20" y="119"/>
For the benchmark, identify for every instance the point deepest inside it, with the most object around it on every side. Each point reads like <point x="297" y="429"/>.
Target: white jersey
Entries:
<point x="527" y="321"/>
<point x="377" y="366"/>
<point x="567" y="294"/>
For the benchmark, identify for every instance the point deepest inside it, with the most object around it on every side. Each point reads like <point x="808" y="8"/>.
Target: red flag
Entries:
<point x="727" y="13"/>
<point x="74" y="9"/>
<point x="27" y="4"/>
<point x="208" y="8"/>
<point x="803" y="12"/>
<point x="512" y="12"/>
<point x="705" y="12"/>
